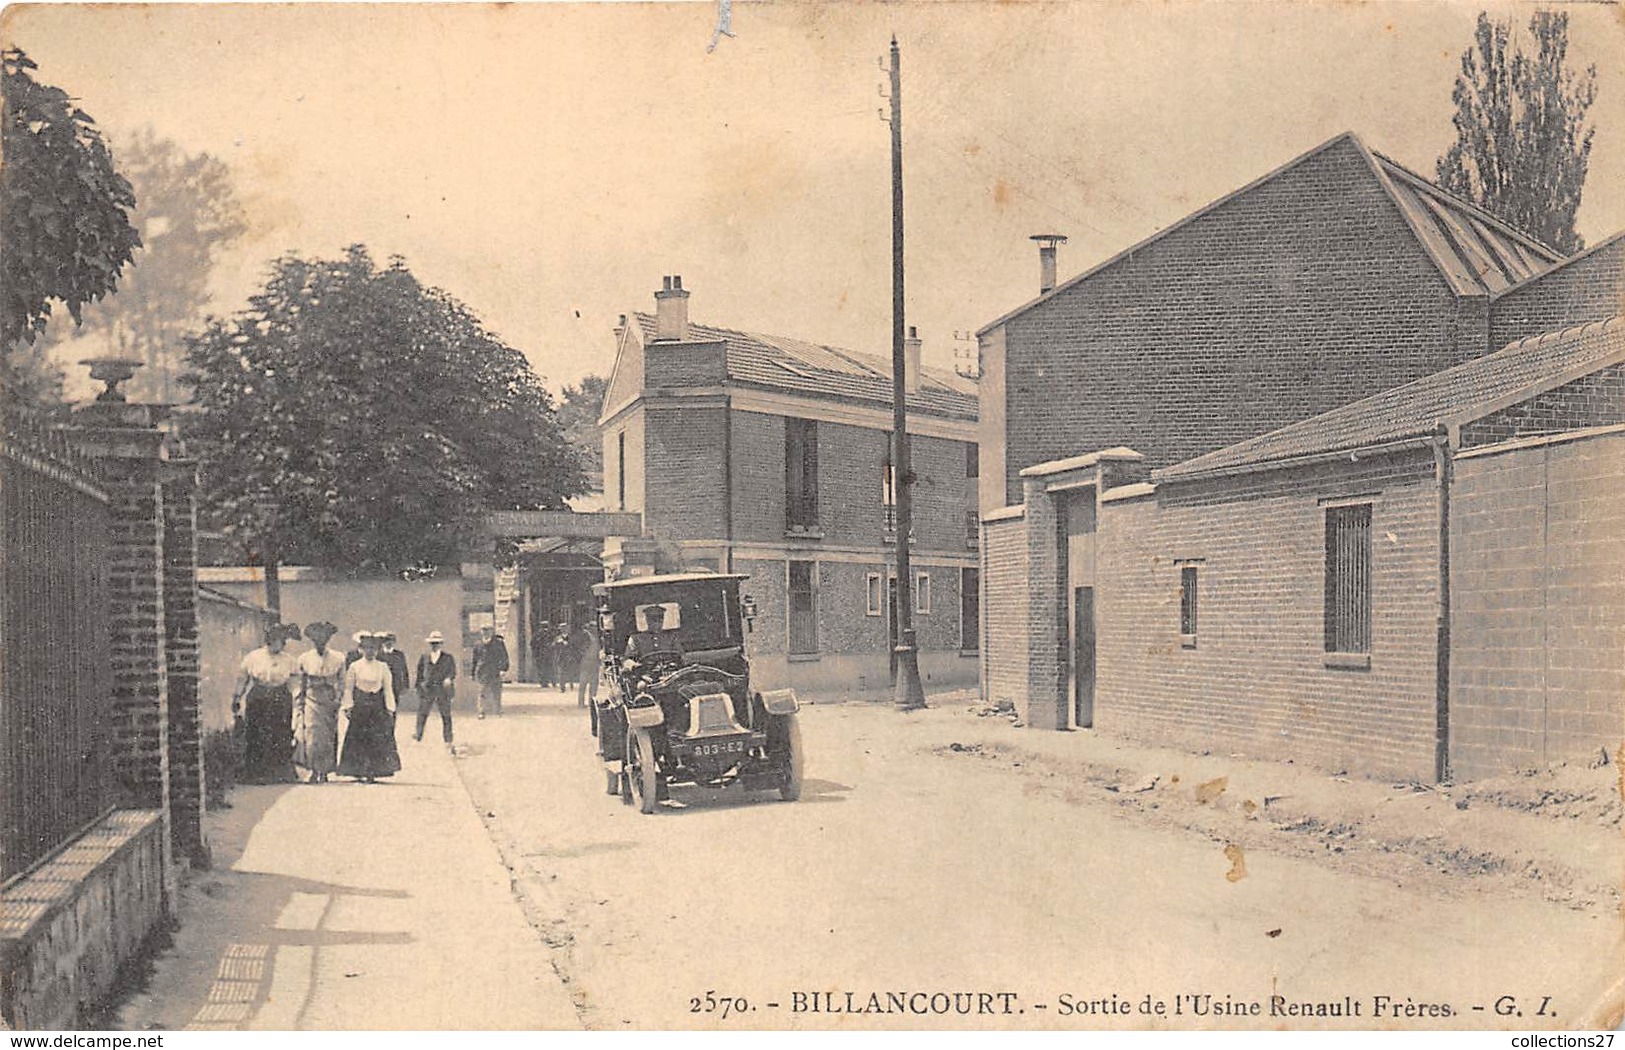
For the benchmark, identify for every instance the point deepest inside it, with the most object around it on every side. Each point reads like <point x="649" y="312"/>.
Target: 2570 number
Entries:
<point x="712" y="1003"/>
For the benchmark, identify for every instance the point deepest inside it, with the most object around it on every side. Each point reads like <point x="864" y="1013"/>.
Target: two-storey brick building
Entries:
<point x="771" y="456"/>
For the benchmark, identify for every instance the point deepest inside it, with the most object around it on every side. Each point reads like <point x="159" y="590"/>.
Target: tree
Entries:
<point x="1522" y="142"/>
<point x="353" y="418"/>
<point x="64" y="208"/>
<point x="187" y="216"/>
<point x="579" y="406"/>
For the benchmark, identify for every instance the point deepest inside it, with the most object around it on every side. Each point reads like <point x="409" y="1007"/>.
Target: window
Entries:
<point x="973" y="460"/>
<point x="620" y="469"/>
<point x="970" y="609"/>
<point x="888" y="489"/>
<point x="803" y="608"/>
<point x="800" y="474"/>
<point x="1348" y="580"/>
<point x="922" y="594"/>
<point x="973" y="529"/>
<point x="873" y="593"/>
<point x="1187" y="606"/>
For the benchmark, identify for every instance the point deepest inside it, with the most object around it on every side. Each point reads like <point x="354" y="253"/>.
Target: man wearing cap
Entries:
<point x="437" y="685"/>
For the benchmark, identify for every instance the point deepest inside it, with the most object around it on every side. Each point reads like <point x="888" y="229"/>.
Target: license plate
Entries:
<point x="718" y="748"/>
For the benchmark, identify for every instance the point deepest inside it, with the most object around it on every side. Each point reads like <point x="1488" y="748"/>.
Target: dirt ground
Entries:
<point x="1550" y="834"/>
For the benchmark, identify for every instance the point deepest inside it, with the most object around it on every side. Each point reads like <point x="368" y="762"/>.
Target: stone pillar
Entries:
<point x="178" y="479"/>
<point x="1046" y="610"/>
<point x="126" y="442"/>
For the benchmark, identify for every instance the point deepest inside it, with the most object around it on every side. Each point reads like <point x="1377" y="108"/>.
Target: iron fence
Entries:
<point x="55" y="670"/>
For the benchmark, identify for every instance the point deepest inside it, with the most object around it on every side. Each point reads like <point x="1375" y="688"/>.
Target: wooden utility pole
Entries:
<point x="907" y="692"/>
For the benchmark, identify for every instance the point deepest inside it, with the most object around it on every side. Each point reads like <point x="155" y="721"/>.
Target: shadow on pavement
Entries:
<point x="234" y="925"/>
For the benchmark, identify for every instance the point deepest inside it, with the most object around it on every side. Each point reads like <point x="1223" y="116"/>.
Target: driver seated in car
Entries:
<point x="656" y="641"/>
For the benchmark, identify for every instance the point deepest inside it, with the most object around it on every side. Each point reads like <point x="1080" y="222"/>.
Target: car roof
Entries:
<point x="676" y="577"/>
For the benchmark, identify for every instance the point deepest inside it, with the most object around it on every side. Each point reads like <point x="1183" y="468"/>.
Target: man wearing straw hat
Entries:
<point x="437" y="685"/>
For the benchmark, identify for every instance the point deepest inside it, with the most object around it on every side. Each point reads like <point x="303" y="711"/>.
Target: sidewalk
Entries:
<point x="352" y="906"/>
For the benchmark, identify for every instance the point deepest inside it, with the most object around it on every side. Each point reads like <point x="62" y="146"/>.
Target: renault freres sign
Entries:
<point x="563" y="523"/>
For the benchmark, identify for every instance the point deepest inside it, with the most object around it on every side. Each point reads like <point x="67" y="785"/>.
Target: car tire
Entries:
<point x="795" y="760"/>
<point x="642" y="770"/>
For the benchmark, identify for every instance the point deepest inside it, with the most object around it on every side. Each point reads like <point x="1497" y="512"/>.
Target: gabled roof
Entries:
<point x="1476" y="253"/>
<point x="1458" y="395"/>
<point x="779" y="363"/>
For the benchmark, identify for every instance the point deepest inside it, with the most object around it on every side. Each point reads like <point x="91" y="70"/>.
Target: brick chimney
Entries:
<point x="671" y="310"/>
<point x="911" y="360"/>
<point x="1046" y="259"/>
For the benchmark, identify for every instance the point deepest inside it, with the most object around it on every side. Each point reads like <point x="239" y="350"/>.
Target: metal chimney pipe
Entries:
<point x="1046" y="259"/>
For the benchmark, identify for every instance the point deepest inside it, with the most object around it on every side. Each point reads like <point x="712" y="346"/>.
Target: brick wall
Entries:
<point x="1256" y="682"/>
<point x="1591" y="401"/>
<point x="1004" y="612"/>
<point x="1538" y="606"/>
<point x="758" y="442"/>
<point x="683" y="473"/>
<point x="1590" y="287"/>
<point x="684" y="364"/>
<point x="1303" y="293"/>
<point x="187" y="782"/>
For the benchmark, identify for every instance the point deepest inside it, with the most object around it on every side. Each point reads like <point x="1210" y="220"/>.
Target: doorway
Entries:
<point x="1083" y="657"/>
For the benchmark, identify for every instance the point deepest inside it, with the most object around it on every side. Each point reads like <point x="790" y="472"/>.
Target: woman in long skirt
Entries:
<point x="368" y="751"/>
<point x="266" y="703"/>
<point x="321" y="678"/>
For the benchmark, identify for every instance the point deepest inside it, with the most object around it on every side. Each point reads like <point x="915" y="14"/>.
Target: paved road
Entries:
<point x="904" y="871"/>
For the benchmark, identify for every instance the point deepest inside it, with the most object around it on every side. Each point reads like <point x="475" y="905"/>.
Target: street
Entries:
<point x="907" y="868"/>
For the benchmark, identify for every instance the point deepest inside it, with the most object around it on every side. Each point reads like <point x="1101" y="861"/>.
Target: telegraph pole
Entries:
<point x="907" y="693"/>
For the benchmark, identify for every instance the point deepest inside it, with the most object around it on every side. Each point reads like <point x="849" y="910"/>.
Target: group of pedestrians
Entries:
<point x="567" y="656"/>
<point x="327" y="712"/>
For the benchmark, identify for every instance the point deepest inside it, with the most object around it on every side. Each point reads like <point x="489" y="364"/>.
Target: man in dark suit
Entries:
<point x="490" y="664"/>
<point x="437" y="685"/>
<point x="399" y="676"/>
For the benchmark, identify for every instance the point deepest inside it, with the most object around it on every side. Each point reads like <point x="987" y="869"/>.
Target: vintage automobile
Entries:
<point x="679" y="707"/>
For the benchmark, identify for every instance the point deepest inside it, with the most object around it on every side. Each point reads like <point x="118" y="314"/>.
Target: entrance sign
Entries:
<point x="599" y="524"/>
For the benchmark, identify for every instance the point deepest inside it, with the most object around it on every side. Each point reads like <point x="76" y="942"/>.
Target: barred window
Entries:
<point x="803" y="608"/>
<point x="1187" y="604"/>
<point x="1348" y="579"/>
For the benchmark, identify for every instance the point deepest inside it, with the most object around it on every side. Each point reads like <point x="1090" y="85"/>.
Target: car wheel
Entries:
<point x="642" y="770"/>
<point x="790" y="790"/>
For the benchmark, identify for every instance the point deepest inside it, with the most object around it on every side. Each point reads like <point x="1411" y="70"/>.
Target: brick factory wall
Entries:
<point x="1538" y="602"/>
<point x="1589" y="287"/>
<point x="1305" y="292"/>
<point x="1256" y="682"/>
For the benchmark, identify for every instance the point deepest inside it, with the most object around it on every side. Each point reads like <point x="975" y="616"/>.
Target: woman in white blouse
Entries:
<point x="266" y="704"/>
<point x="368" y="750"/>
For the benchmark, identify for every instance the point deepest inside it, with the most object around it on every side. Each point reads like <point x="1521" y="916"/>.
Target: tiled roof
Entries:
<point x="1457" y="395"/>
<point x="776" y="362"/>
<point x="1477" y="253"/>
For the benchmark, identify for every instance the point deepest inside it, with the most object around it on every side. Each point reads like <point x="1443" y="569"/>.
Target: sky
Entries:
<point x="548" y="163"/>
